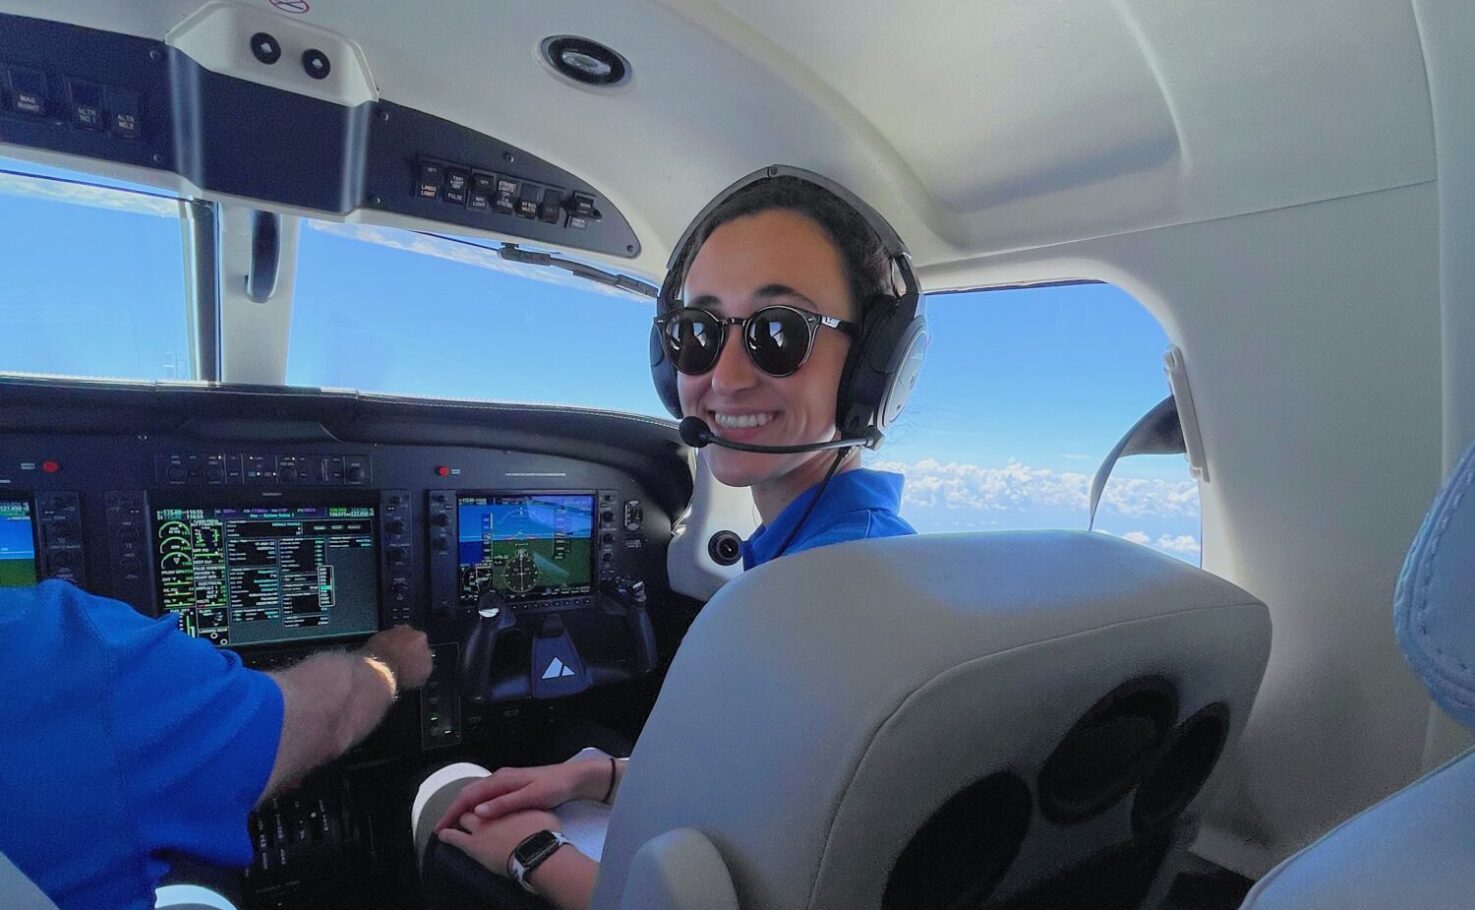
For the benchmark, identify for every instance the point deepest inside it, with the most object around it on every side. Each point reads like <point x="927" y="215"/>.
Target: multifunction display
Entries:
<point x="525" y="546"/>
<point x="17" y="544"/>
<point x="268" y="574"/>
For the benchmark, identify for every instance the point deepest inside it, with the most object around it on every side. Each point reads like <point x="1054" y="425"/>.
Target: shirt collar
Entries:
<point x="857" y="490"/>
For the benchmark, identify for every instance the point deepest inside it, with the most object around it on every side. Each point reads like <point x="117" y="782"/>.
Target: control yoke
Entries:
<point x="557" y="668"/>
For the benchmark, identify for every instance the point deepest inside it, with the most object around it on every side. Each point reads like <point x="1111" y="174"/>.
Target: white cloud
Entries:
<point x="477" y="256"/>
<point x="1185" y="544"/>
<point x="1017" y="487"/>
<point x="99" y="197"/>
<point x="1182" y="543"/>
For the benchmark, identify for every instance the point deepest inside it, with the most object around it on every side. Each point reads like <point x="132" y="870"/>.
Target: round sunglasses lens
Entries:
<point x="694" y="338"/>
<point x="778" y="339"/>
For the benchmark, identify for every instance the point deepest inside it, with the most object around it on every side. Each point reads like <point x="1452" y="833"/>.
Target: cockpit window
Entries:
<point x="94" y="277"/>
<point x="385" y="310"/>
<point x="1024" y="392"/>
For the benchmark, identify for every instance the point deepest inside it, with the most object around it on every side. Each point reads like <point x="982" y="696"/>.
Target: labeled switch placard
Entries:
<point x="502" y="194"/>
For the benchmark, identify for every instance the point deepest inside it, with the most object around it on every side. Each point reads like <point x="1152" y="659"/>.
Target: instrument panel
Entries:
<point x="277" y="523"/>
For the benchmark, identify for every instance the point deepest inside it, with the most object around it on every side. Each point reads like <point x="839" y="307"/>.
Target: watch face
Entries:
<point x="533" y="846"/>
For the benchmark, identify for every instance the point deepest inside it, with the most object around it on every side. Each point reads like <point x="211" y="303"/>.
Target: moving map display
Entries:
<point x="525" y="546"/>
<point x="268" y="574"/>
<point x="17" y="544"/>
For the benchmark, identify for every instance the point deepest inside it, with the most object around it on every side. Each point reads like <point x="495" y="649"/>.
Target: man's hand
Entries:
<point x="405" y="651"/>
<point x="334" y="699"/>
<point x="510" y="790"/>
<point x="491" y="842"/>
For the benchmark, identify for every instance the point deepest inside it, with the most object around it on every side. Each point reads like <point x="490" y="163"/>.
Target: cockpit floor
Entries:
<point x="1203" y="885"/>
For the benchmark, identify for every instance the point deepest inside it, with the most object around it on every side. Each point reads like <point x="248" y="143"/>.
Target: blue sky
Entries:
<point x="1023" y="392"/>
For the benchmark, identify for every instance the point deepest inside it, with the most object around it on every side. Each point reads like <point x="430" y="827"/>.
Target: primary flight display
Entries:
<point x="525" y="546"/>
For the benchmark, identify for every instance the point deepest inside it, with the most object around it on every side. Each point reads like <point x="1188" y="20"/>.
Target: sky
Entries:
<point x="1022" y="394"/>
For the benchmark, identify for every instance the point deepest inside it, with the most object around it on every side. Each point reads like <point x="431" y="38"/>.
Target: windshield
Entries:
<point x="385" y="310"/>
<point x="94" y="277"/>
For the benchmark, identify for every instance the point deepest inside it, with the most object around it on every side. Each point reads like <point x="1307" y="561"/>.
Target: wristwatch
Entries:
<point x="530" y="854"/>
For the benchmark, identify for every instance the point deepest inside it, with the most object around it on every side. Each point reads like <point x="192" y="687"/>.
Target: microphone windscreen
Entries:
<point x="695" y="432"/>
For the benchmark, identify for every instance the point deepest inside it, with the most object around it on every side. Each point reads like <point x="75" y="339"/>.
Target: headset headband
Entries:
<point x="902" y="280"/>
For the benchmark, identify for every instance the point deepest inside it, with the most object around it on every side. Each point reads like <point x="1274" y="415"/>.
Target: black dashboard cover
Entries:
<point x="649" y="449"/>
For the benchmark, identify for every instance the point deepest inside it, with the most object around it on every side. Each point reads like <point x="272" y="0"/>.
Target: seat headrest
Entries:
<point x="835" y="721"/>
<point x="1434" y="607"/>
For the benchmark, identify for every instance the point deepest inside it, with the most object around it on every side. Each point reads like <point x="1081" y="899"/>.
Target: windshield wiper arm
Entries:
<point x="514" y="253"/>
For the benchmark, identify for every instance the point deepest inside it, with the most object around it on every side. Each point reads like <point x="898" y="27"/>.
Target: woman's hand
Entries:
<point x="509" y="790"/>
<point x="491" y="842"/>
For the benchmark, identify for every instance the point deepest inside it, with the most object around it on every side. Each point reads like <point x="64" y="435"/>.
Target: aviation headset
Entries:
<point x="885" y="357"/>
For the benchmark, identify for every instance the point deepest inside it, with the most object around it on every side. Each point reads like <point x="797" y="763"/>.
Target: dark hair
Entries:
<point x="862" y="254"/>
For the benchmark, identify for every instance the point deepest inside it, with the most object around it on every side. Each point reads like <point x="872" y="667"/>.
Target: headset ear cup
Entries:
<point x="852" y="411"/>
<point x="663" y="374"/>
<point x="882" y="366"/>
<point x="902" y="373"/>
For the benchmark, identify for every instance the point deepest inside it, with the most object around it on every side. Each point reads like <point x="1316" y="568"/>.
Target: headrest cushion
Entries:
<point x="1434" y="607"/>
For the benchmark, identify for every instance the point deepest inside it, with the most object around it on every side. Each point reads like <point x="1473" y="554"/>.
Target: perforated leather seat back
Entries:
<point x="824" y="707"/>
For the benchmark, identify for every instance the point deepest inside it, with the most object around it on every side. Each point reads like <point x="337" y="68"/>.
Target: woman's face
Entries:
<point x="773" y="257"/>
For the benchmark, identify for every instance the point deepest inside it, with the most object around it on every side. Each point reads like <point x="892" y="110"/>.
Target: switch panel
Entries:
<point x="440" y="700"/>
<point x="59" y="516"/>
<point x="130" y="548"/>
<point x="397" y="543"/>
<point x="441" y="518"/>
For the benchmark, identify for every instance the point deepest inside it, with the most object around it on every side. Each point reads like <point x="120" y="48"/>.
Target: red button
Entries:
<point x="443" y="471"/>
<point x="50" y="467"/>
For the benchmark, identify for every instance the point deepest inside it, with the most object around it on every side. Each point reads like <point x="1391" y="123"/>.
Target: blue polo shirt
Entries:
<point x="857" y="504"/>
<point x="122" y="740"/>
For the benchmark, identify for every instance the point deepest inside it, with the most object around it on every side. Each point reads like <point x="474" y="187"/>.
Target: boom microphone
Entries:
<point x="696" y="433"/>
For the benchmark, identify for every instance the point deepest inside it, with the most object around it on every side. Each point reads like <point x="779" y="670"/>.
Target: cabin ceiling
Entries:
<point x="977" y="128"/>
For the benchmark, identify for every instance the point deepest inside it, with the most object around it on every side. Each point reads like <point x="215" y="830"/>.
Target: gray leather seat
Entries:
<point x="1417" y="847"/>
<point x="17" y="892"/>
<point x="905" y="722"/>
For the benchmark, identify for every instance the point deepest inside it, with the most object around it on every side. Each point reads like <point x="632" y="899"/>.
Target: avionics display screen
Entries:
<point x="17" y="544"/>
<point x="525" y="546"/>
<point x="269" y="574"/>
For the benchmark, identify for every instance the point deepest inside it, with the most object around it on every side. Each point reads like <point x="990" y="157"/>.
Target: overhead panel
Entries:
<point x="259" y="107"/>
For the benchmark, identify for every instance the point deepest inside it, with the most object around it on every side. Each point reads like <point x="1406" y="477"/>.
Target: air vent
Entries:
<point x="1102" y="756"/>
<point x="585" y="62"/>
<point x="725" y="548"/>
<point x="1187" y="761"/>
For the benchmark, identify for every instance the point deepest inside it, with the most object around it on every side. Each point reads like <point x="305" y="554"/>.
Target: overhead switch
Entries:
<point x="28" y="91"/>
<point x="457" y="179"/>
<point x="126" y="122"/>
<point x="432" y="175"/>
<point x="87" y="111"/>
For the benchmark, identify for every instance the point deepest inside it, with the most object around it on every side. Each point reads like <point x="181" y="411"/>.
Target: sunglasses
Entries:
<point x="778" y="339"/>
